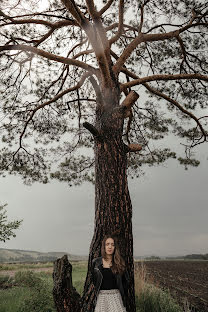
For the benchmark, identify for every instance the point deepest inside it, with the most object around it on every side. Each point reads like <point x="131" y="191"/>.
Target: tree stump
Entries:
<point x="66" y="298"/>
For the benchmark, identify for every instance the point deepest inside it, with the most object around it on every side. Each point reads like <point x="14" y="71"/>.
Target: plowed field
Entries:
<point x="186" y="280"/>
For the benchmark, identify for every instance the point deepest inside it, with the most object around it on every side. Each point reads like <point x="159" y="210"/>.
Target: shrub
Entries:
<point x="40" y="294"/>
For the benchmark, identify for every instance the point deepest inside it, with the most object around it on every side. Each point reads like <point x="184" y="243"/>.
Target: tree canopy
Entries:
<point x="59" y="57"/>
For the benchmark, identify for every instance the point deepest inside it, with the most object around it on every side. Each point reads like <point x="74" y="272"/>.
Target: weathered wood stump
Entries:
<point x="66" y="298"/>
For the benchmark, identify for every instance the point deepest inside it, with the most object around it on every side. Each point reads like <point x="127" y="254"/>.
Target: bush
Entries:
<point x="40" y="294"/>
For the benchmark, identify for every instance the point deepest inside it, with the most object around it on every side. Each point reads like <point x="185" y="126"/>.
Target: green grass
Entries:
<point x="12" y="298"/>
<point x="33" y="292"/>
<point x="153" y="299"/>
<point x="79" y="272"/>
<point x="20" y="266"/>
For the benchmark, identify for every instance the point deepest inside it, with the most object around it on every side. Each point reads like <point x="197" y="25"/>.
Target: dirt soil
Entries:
<point x="186" y="280"/>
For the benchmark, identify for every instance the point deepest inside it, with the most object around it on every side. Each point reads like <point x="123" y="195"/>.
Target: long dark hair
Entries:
<point x="118" y="263"/>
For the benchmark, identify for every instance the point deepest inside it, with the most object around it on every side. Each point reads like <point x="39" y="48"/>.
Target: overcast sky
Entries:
<point x="170" y="212"/>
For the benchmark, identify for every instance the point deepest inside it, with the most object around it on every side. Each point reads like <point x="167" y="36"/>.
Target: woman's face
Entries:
<point x="109" y="246"/>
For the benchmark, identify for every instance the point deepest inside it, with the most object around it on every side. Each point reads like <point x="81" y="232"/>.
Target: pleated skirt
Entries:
<point x="109" y="301"/>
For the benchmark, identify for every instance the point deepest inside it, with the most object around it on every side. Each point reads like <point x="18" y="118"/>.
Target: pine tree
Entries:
<point x="90" y="89"/>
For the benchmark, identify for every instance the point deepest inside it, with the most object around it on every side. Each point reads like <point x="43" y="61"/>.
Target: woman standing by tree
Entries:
<point x="110" y="278"/>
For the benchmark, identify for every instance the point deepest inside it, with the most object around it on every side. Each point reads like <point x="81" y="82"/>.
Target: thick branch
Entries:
<point x="124" y="110"/>
<point x="85" y="52"/>
<point x="134" y="148"/>
<point x="106" y="7"/>
<point x="100" y="43"/>
<point x="129" y="100"/>
<point x="141" y="19"/>
<point x="96" y="34"/>
<point x="42" y="22"/>
<point x="75" y="11"/>
<point x="92" y="129"/>
<point x="138" y="40"/>
<point x="162" y="77"/>
<point x="148" y="38"/>
<point x="47" y="35"/>
<point x="92" y="10"/>
<point x="164" y="96"/>
<point x="49" y="56"/>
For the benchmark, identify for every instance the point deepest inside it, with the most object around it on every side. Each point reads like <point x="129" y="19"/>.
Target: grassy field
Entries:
<point x="27" y="291"/>
<point x="24" y="266"/>
<point x="30" y="291"/>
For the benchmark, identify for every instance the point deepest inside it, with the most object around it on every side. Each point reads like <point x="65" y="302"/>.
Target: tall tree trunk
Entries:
<point x="113" y="208"/>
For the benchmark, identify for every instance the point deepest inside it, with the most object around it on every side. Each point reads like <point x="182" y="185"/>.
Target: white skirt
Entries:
<point x="109" y="301"/>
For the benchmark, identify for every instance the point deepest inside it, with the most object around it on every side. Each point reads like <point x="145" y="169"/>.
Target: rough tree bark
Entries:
<point x="113" y="208"/>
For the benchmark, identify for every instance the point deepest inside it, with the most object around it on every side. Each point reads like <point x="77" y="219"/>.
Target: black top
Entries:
<point x="109" y="279"/>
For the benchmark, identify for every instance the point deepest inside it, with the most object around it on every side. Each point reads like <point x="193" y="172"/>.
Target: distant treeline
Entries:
<point x="192" y="256"/>
<point x="187" y="257"/>
<point x="197" y="256"/>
